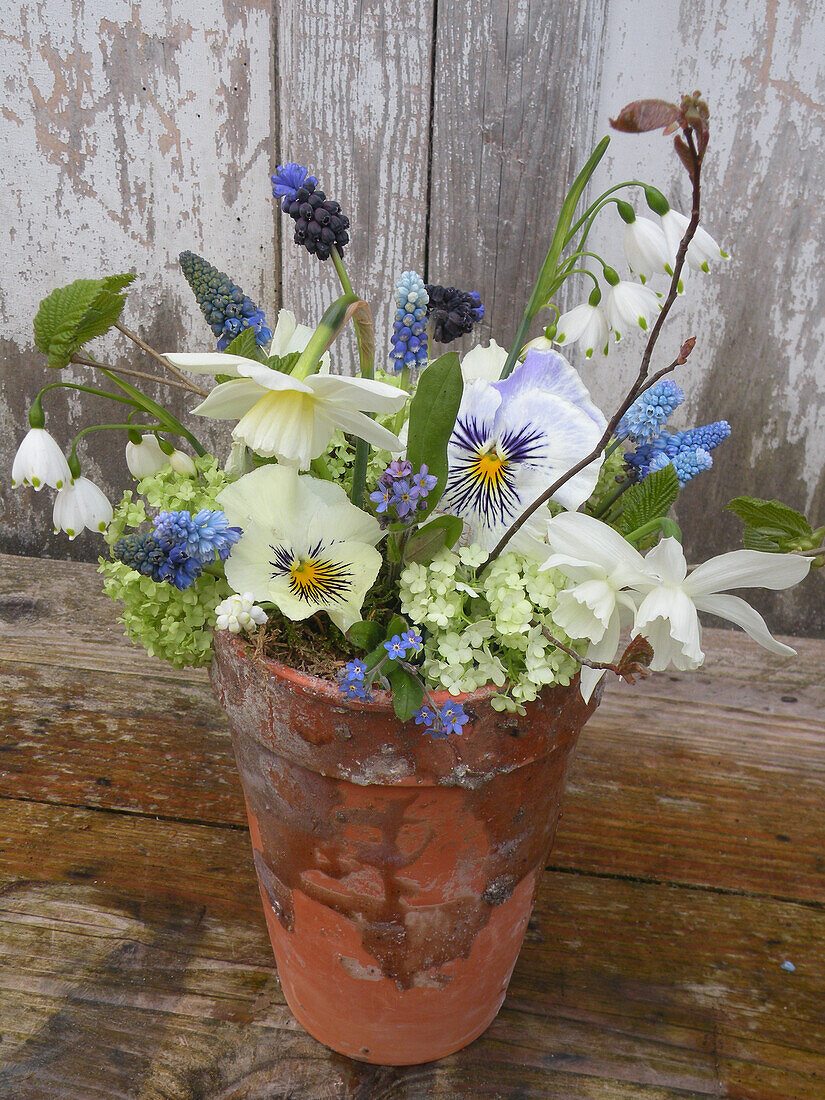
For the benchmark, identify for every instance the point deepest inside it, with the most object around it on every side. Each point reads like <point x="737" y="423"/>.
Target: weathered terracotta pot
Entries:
<point x="397" y="872"/>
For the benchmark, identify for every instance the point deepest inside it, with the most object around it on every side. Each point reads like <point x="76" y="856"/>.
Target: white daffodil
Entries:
<point x="628" y="305"/>
<point x="702" y="250"/>
<point x="39" y="461"/>
<point x="483" y="363"/>
<point x="602" y="565"/>
<point x="81" y="505"/>
<point x="304" y="546"/>
<point x="145" y="458"/>
<point x="646" y="249"/>
<point x="513" y="438"/>
<point x="286" y="418"/>
<point x="585" y="324"/>
<point x="667" y="616"/>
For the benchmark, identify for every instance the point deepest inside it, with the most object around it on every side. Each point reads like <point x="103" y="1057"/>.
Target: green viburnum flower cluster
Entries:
<point x="488" y="630"/>
<point x="172" y="624"/>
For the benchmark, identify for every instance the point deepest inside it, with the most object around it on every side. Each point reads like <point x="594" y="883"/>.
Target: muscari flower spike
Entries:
<point x="650" y="412"/>
<point x="206" y="535"/>
<point x="144" y="553"/>
<point x="227" y="309"/>
<point x="671" y="445"/>
<point x="687" y="463"/>
<point x="319" y="224"/>
<point x="409" y="331"/>
<point x="453" y="311"/>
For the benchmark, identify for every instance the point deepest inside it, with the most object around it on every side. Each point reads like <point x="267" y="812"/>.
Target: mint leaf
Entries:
<point x="246" y="346"/>
<point x="770" y="516"/>
<point x="433" y="410"/>
<point x="649" y="499"/>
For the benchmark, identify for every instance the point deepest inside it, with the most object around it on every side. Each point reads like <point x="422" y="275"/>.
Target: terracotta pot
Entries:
<point x="397" y="872"/>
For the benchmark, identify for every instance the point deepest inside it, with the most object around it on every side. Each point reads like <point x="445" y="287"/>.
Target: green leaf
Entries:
<point x="754" y="539"/>
<point x="245" y="344"/>
<point x="407" y="693"/>
<point x="72" y="315"/>
<point x="433" y="410"/>
<point x="366" y="635"/>
<point x="771" y="516"/>
<point x="283" y="363"/>
<point x="428" y="540"/>
<point x="649" y="499"/>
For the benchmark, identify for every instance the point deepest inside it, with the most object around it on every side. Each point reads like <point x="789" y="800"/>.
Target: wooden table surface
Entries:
<point x="677" y="948"/>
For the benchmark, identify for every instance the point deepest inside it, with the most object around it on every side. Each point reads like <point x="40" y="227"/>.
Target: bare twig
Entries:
<point x="633" y="662"/>
<point x="641" y="383"/>
<point x="133" y="373"/>
<point x="164" y="362"/>
<point x="812" y="553"/>
<point x="577" y="656"/>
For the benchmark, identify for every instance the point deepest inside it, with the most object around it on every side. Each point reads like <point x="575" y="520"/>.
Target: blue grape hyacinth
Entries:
<point x="688" y="450"/>
<point x="409" y="330"/>
<point x="228" y="311"/>
<point x="650" y="412"/>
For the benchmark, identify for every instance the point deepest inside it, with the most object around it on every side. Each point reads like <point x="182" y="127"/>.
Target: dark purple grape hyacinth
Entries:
<point x="319" y="223"/>
<point x="228" y="311"/>
<point x="453" y="312"/>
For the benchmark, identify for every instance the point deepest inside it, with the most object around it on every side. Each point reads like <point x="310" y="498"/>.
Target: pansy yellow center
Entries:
<point x="313" y="578"/>
<point x="489" y="469"/>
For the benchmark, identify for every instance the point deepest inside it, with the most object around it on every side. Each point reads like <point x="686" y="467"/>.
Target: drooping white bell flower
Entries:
<point x="667" y="615"/>
<point x="304" y="546"/>
<point x="39" y="461"/>
<point x="486" y="363"/>
<point x="630" y="305"/>
<point x="646" y="249"/>
<point x="513" y="438"/>
<point x="182" y="463"/>
<point x="145" y="458"/>
<point x="702" y="250"/>
<point x="602" y="565"/>
<point x="586" y="325"/>
<point x="81" y="505"/>
<point x="288" y="418"/>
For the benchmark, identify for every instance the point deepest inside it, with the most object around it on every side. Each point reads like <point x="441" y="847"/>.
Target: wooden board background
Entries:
<point x="449" y="132"/>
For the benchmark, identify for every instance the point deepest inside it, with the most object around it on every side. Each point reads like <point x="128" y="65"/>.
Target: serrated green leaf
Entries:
<point x="366" y="635"/>
<point x="649" y="499"/>
<point x="407" y="693"/>
<point x="433" y="410"/>
<point x="753" y="539"/>
<point x="428" y="540"/>
<point x="246" y="345"/>
<point x="105" y="311"/>
<point x="770" y="516"/>
<point x="62" y="311"/>
<point x="284" y="363"/>
<point x="116" y="283"/>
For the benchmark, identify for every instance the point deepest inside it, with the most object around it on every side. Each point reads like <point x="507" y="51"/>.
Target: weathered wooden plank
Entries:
<point x="354" y="90"/>
<point x="137" y="961"/>
<point x="137" y="130"/>
<point x="512" y="124"/>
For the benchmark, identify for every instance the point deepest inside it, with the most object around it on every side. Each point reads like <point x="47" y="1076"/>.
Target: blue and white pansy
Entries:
<point x="305" y="547"/>
<point x="513" y="438"/>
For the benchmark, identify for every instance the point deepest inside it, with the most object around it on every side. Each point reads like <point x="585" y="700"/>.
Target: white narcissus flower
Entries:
<point x="289" y="336"/>
<point x="585" y="324"/>
<point x="484" y="363"/>
<point x="287" y="418"/>
<point x="646" y="249"/>
<point x="628" y="305"/>
<point x="145" y="458"/>
<point x="81" y="505"/>
<point x="304" y="546"/>
<point x="702" y="249"/>
<point x="237" y="613"/>
<point x="601" y="564"/>
<point x="39" y="461"/>
<point x="667" y="615"/>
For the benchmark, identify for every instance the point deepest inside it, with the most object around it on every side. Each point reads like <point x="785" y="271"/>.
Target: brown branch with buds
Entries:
<point x="633" y="662"/>
<point x="692" y="118"/>
<point x="164" y="362"/>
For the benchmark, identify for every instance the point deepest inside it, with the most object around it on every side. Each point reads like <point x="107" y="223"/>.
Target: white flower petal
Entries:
<point x="359" y="424"/>
<point x="587" y="539"/>
<point x="364" y="394"/>
<point x="39" y="461"/>
<point x="285" y="425"/>
<point x="81" y="505"/>
<point x="737" y="610"/>
<point x="584" y="324"/>
<point x="230" y="400"/>
<point x="646" y="248"/>
<point x="145" y="458"/>
<point x="269" y="379"/>
<point x="668" y="619"/>
<point x="486" y="363"/>
<point x="207" y="362"/>
<point x="747" y="569"/>
<point x="666" y="561"/>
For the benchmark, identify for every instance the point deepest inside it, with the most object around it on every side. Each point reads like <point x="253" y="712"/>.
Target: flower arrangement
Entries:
<point x="434" y="522"/>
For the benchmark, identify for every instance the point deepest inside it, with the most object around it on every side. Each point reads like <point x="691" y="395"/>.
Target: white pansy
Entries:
<point x="646" y="249"/>
<point x="145" y="458"/>
<point x="513" y="438"/>
<point x="586" y="325"/>
<point x="290" y="419"/>
<point x="237" y="613"/>
<point x="702" y="250"/>
<point x="601" y="564"/>
<point x="304" y="546"/>
<point x="667" y="615"/>
<point x="630" y="305"/>
<point x="81" y="505"/>
<point x="182" y="464"/>
<point x="486" y="363"/>
<point x="39" y="461"/>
